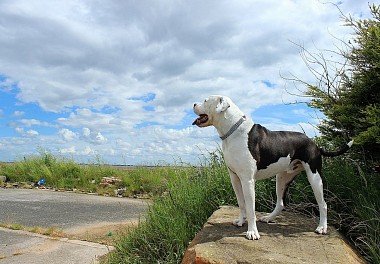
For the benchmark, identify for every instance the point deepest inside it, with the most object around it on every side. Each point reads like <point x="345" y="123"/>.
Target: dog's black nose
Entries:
<point x="194" y="105"/>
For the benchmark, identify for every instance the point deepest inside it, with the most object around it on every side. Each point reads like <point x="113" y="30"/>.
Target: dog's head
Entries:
<point x="211" y="110"/>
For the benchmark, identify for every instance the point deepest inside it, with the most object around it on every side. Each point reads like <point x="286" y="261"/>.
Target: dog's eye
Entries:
<point x="205" y="100"/>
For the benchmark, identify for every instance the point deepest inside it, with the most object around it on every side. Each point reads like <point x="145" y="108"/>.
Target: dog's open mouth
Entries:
<point x="203" y="118"/>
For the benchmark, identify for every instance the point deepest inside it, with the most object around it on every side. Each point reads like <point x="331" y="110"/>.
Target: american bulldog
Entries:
<point x="252" y="153"/>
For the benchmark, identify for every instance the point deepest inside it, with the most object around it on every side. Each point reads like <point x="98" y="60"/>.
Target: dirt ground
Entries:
<point x="104" y="233"/>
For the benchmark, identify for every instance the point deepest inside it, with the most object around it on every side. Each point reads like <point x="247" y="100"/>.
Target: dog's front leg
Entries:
<point x="236" y="184"/>
<point x="248" y="185"/>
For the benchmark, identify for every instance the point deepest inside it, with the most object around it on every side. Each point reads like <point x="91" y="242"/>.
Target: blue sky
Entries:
<point x="117" y="80"/>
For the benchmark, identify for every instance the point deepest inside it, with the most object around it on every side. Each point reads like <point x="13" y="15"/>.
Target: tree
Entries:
<point x="348" y="90"/>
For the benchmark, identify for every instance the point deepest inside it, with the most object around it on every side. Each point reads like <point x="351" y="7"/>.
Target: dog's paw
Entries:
<point x="322" y="230"/>
<point x="253" y="235"/>
<point x="266" y="219"/>
<point x="239" y="221"/>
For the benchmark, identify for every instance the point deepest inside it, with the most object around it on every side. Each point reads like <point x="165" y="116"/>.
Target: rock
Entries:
<point x="3" y="178"/>
<point x="290" y="240"/>
<point x="26" y="185"/>
<point x="107" y="181"/>
<point x="120" y="191"/>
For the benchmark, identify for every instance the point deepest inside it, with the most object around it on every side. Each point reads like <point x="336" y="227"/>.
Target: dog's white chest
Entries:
<point x="237" y="155"/>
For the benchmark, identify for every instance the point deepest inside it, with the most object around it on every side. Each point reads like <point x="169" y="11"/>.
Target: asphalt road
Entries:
<point x="66" y="211"/>
<point x="45" y="208"/>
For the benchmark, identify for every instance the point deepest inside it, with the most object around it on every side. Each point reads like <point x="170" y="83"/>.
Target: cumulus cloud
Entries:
<point x="67" y="134"/>
<point x="28" y="133"/>
<point x="33" y="122"/>
<point x="88" y="151"/>
<point x="7" y="84"/>
<point x="93" y="136"/>
<point x="103" y="47"/>
<point x="69" y="150"/>
<point x="18" y="113"/>
<point x="93" y="64"/>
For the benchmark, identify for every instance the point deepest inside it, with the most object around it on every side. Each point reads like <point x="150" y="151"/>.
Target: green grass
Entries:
<point x="50" y="231"/>
<point x="186" y="196"/>
<point x="65" y="174"/>
<point x="173" y="220"/>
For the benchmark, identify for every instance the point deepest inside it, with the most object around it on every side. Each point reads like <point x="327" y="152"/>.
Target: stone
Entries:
<point x="107" y="181"/>
<point x="291" y="239"/>
<point x="3" y="178"/>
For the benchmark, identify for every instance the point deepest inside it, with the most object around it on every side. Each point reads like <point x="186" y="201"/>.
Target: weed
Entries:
<point x="50" y="231"/>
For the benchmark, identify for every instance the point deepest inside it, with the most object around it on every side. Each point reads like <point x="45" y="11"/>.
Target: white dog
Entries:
<point x="252" y="153"/>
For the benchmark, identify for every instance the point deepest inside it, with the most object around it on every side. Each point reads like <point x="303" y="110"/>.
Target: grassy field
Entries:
<point x="184" y="197"/>
<point x="65" y="174"/>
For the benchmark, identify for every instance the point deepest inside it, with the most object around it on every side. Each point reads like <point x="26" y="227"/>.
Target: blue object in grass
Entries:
<point x="41" y="182"/>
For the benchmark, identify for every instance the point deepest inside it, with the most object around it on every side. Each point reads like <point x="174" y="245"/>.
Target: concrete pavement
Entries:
<point x="66" y="211"/>
<point x="18" y="247"/>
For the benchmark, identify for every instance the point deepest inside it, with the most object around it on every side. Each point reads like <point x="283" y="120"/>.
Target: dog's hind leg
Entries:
<point x="283" y="181"/>
<point x="236" y="184"/>
<point x="315" y="181"/>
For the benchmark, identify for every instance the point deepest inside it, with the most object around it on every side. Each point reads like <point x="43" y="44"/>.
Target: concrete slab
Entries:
<point x="24" y="247"/>
<point x="72" y="213"/>
<point x="291" y="239"/>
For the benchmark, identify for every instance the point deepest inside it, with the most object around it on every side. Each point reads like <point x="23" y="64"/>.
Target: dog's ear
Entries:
<point x="222" y="105"/>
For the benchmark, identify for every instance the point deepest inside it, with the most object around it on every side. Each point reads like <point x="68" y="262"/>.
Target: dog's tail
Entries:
<point x="337" y="152"/>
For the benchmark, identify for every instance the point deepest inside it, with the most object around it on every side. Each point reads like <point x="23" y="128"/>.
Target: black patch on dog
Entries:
<point x="268" y="146"/>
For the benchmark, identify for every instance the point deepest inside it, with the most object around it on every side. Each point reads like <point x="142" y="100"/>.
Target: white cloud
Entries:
<point x="33" y="122"/>
<point x="93" y="137"/>
<point x="18" y="113"/>
<point x="88" y="151"/>
<point x="86" y="118"/>
<point x="67" y="134"/>
<point x="86" y="61"/>
<point x="95" y="59"/>
<point x="99" y="138"/>
<point x="32" y="133"/>
<point x="69" y="150"/>
<point x="28" y="133"/>
<point x="19" y="130"/>
<point x="7" y="84"/>
<point x="86" y="132"/>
